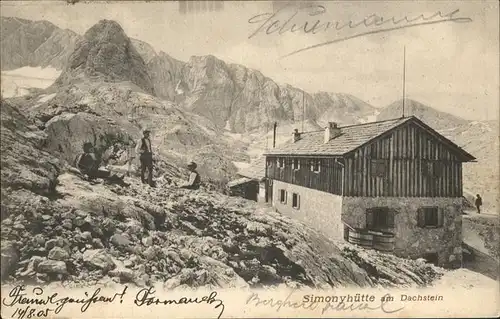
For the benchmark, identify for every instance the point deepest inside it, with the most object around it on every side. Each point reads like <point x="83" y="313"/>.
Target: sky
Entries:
<point x="451" y="66"/>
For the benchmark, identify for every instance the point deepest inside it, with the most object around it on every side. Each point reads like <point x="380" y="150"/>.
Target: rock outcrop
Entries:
<point x="105" y="52"/>
<point x="24" y="161"/>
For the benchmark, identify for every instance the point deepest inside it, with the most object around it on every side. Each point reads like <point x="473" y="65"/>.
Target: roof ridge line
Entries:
<point x="376" y="122"/>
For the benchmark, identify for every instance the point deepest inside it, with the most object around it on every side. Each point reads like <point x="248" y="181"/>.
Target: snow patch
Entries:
<point x="145" y="96"/>
<point x="18" y="82"/>
<point x="240" y="165"/>
<point x="46" y="98"/>
<point x="31" y="72"/>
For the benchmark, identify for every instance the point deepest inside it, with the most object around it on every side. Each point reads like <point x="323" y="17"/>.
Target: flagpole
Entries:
<point x="404" y="78"/>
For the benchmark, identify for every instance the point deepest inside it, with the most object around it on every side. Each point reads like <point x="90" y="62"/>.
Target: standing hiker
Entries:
<point x="194" y="178"/>
<point x="479" y="202"/>
<point x="145" y="152"/>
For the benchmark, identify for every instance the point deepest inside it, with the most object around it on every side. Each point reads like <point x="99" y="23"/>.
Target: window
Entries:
<point x="430" y="217"/>
<point x="281" y="162"/>
<point x="269" y="163"/>
<point x="296" y="164"/>
<point x="295" y="200"/>
<point x="432" y="258"/>
<point x="379" y="218"/>
<point x="283" y="196"/>
<point x="432" y="168"/>
<point x="378" y="167"/>
<point x="316" y="166"/>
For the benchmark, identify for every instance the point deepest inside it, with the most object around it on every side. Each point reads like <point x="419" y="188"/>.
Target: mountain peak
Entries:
<point x="106" y="30"/>
<point x="436" y="119"/>
<point x="106" y="52"/>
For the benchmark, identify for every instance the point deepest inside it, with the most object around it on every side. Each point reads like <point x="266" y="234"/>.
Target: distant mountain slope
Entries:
<point x="347" y="109"/>
<point x="480" y="138"/>
<point x="245" y="99"/>
<point x="146" y="51"/>
<point x="34" y="43"/>
<point x="432" y="117"/>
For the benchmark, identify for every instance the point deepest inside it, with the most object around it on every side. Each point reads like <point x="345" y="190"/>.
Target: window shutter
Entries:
<point x="298" y="201"/>
<point x="440" y="214"/>
<point x="286" y="194"/>
<point x="373" y="168"/>
<point x="390" y="219"/>
<point x="420" y="217"/>
<point x="369" y="218"/>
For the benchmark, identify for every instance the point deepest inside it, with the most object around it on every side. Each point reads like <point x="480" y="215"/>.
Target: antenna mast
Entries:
<point x="267" y="136"/>
<point x="404" y="78"/>
<point x="303" y="110"/>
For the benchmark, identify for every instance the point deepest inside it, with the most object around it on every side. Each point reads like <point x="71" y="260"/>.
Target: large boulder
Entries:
<point x="10" y="257"/>
<point x="67" y="132"/>
<point x="52" y="267"/>
<point x="98" y="258"/>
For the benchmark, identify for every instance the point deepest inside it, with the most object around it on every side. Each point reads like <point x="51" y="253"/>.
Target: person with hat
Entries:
<point x="478" y="202"/>
<point x="194" y="177"/>
<point x="88" y="164"/>
<point x="145" y="152"/>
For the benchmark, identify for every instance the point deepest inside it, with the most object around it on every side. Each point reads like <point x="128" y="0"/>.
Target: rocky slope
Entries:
<point x="57" y="226"/>
<point x="482" y="243"/>
<point x="34" y="43"/>
<point x="182" y="238"/>
<point x="24" y="162"/>
<point x="113" y="115"/>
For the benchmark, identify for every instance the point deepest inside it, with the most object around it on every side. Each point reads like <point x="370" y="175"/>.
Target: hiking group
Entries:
<point x="88" y="164"/>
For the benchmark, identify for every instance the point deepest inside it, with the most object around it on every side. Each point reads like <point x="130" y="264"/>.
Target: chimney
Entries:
<point x="296" y="135"/>
<point x="331" y="131"/>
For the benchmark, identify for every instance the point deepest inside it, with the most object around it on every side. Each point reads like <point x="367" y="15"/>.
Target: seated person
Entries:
<point x="88" y="164"/>
<point x="194" y="178"/>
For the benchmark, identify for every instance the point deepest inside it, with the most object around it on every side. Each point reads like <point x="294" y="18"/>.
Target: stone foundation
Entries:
<point x="412" y="241"/>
